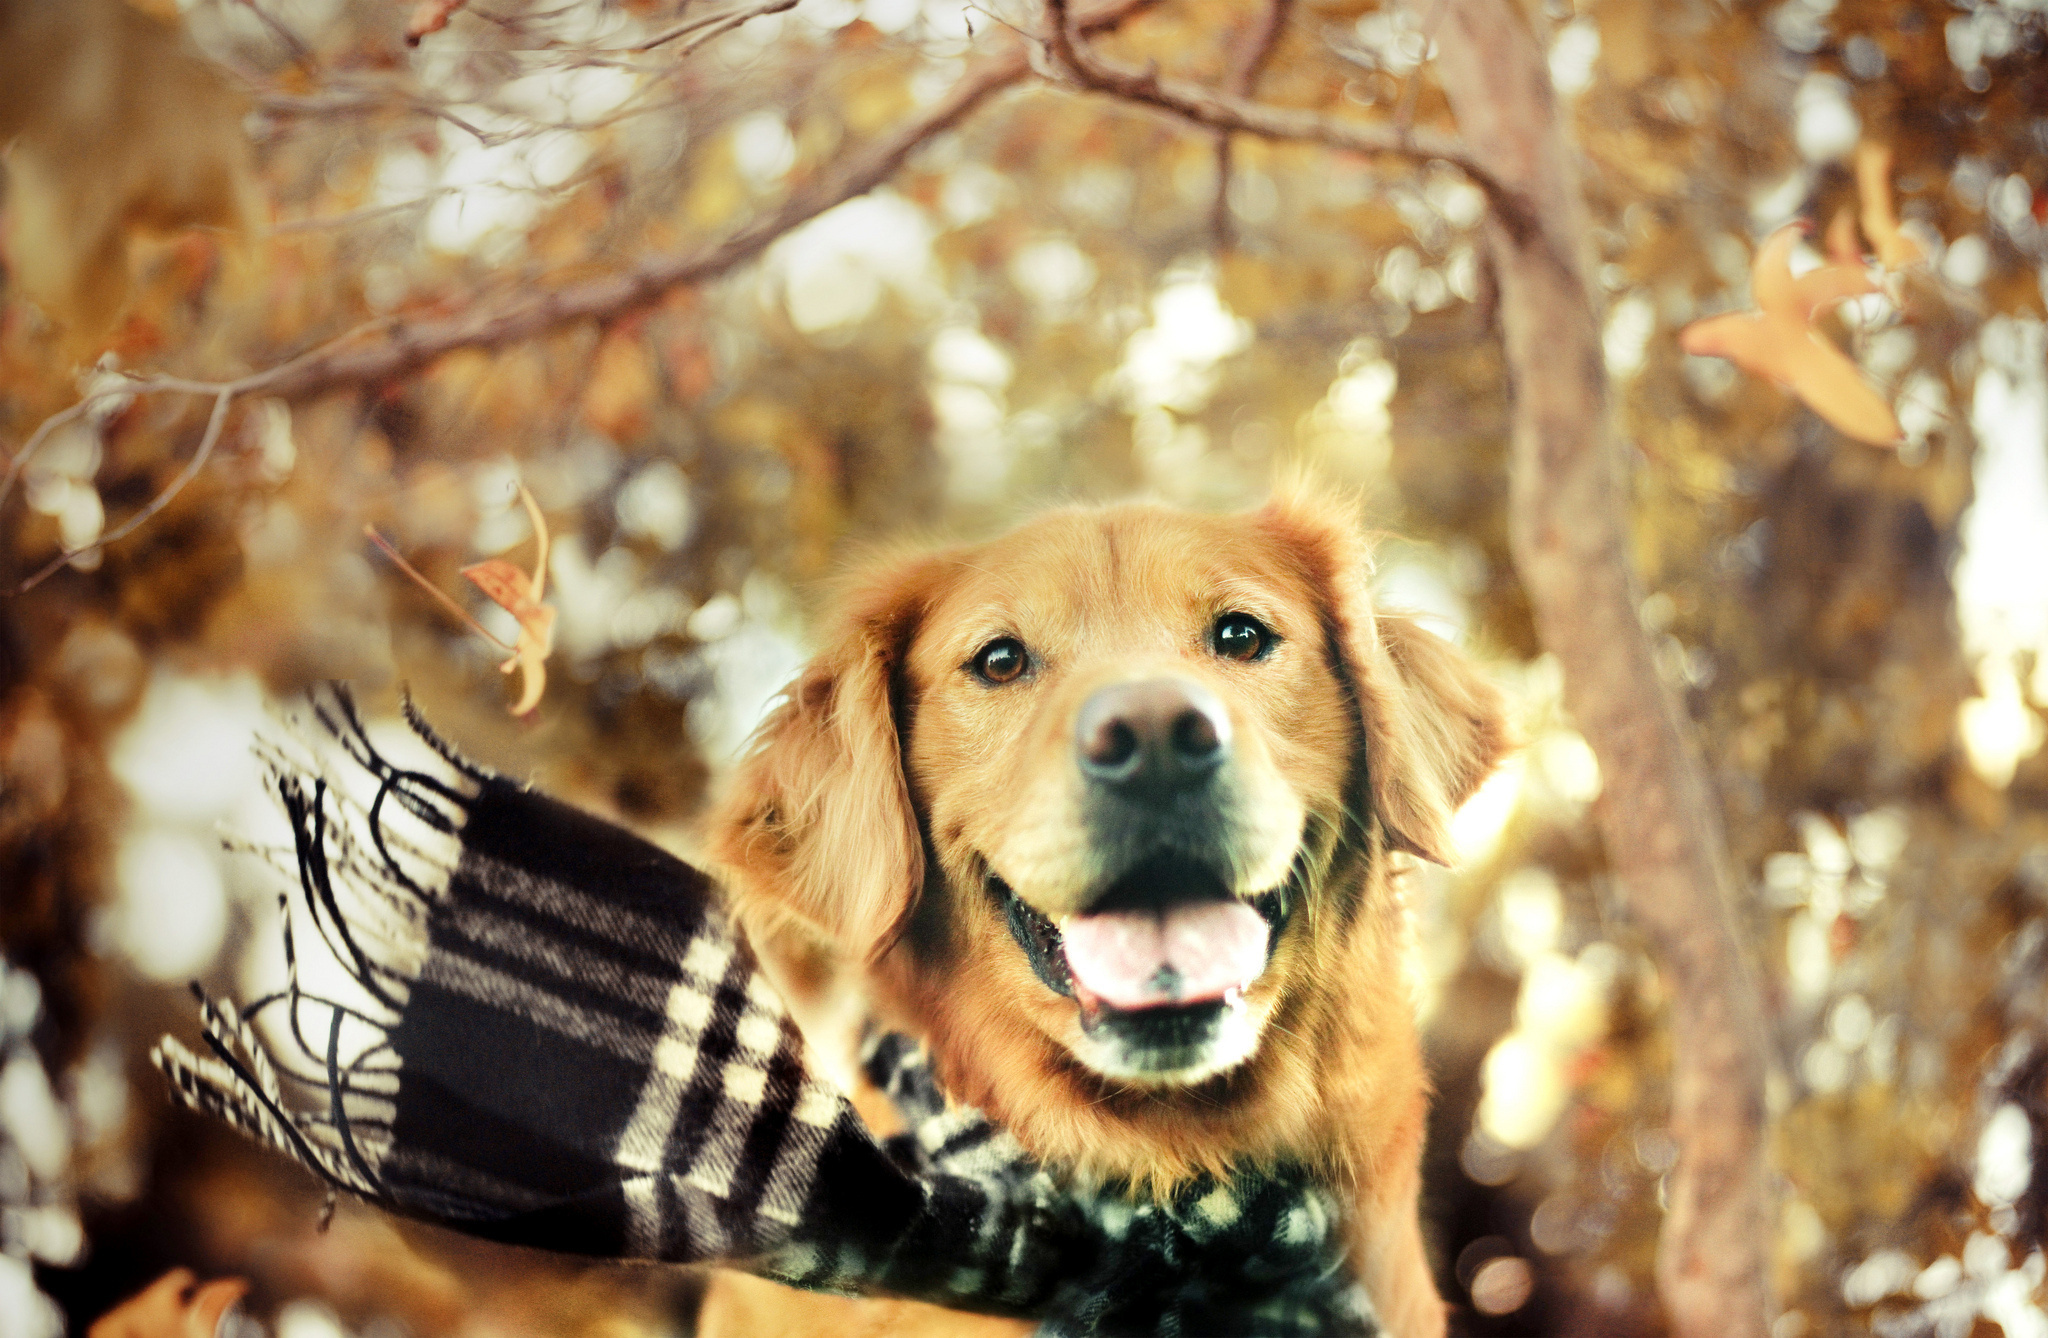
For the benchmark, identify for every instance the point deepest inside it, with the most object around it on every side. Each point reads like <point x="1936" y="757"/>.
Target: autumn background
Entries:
<point x="733" y="291"/>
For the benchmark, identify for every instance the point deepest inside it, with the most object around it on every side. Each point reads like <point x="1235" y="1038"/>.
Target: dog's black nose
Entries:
<point x="1152" y="739"/>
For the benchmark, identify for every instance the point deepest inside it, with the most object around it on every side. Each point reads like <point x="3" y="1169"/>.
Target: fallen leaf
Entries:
<point x="512" y="590"/>
<point x="176" y="1305"/>
<point x="1895" y="250"/>
<point x="431" y="16"/>
<point x="1820" y="290"/>
<point x="1777" y="340"/>
<point x="521" y="595"/>
<point x="1843" y="244"/>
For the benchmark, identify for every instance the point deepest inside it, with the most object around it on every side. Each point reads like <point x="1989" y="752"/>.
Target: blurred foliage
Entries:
<point x="1036" y="308"/>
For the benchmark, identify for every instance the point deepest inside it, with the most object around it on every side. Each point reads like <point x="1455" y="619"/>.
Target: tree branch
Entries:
<point x="223" y="396"/>
<point x="411" y="345"/>
<point x="703" y="27"/>
<point x="1223" y="112"/>
<point x="1242" y="82"/>
<point x="400" y="347"/>
<point x="1658" y="813"/>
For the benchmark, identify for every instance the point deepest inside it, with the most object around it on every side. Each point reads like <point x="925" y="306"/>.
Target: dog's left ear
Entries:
<point x="1433" y="727"/>
<point x="818" y="824"/>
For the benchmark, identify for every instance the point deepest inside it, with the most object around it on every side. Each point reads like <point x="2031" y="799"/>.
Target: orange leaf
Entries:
<point x="514" y="591"/>
<point x="520" y="595"/>
<point x="1895" y="250"/>
<point x="1817" y="290"/>
<point x="1843" y="246"/>
<point x="505" y="584"/>
<point x="1778" y="341"/>
<point x="431" y="16"/>
<point x="174" y="1306"/>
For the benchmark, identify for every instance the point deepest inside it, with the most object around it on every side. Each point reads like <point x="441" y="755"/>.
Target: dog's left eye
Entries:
<point x="1001" y="660"/>
<point x="1239" y="636"/>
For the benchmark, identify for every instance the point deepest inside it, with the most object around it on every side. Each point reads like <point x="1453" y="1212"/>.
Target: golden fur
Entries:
<point x="890" y="784"/>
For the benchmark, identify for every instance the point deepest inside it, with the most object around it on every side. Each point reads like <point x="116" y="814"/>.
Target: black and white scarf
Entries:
<point x="552" y="1035"/>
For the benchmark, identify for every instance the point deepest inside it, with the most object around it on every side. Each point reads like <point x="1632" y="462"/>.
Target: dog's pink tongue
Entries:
<point x="1188" y="954"/>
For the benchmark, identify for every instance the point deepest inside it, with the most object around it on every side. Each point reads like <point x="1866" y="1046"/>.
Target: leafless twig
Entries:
<point x="704" y="27"/>
<point x="302" y="54"/>
<point x="1222" y="112"/>
<point x="1411" y="87"/>
<point x="224" y="396"/>
<point x="354" y="216"/>
<point x="37" y="439"/>
<point x="352" y="359"/>
<point x="1242" y="82"/>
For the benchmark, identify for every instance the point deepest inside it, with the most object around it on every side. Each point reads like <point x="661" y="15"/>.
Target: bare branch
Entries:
<point x="1224" y="112"/>
<point x="1569" y="532"/>
<point x="409" y="346"/>
<point x="214" y="423"/>
<point x="1411" y="87"/>
<point x="301" y="54"/>
<point x="352" y="217"/>
<point x="406" y="347"/>
<point x="38" y="438"/>
<point x="1242" y="82"/>
<point x="704" y="27"/>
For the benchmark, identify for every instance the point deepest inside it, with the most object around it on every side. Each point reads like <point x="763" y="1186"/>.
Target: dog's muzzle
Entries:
<point x="1158" y="964"/>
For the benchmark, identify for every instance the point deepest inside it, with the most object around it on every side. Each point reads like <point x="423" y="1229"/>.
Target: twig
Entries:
<point x="224" y="393"/>
<point x="224" y="396"/>
<point x="419" y="579"/>
<point x="1242" y="82"/>
<point x="302" y="55"/>
<point x="409" y="346"/>
<point x="708" y="26"/>
<point x="1411" y="87"/>
<point x="1220" y="111"/>
<point x="363" y="215"/>
<point x="1658" y="814"/>
<point x="41" y="435"/>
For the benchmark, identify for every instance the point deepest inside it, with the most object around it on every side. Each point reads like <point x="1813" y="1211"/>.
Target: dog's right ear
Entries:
<point x="1433" y="727"/>
<point x="818" y="825"/>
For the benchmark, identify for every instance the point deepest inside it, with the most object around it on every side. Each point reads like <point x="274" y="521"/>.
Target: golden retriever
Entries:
<point x="1105" y="811"/>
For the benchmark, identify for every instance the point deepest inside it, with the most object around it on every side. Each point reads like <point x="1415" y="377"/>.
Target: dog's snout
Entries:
<point x="1152" y="738"/>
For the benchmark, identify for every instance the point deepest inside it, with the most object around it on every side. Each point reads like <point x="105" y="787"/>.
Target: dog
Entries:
<point x="1109" y="812"/>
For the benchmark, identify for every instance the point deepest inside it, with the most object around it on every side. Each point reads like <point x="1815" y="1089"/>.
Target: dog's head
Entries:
<point x="1105" y="805"/>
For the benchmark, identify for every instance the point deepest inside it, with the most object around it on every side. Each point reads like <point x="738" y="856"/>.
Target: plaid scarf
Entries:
<point x="553" y="1036"/>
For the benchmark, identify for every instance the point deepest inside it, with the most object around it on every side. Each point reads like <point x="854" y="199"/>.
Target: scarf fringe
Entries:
<point x="308" y="1074"/>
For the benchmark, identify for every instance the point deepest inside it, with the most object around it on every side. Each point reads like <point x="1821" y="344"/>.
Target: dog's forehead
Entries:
<point x="1133" y="573"/>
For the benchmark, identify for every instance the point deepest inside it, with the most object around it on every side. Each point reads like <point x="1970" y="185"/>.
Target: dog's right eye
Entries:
<point x="1001" y="661"/>
<point x="1239" y="636"/>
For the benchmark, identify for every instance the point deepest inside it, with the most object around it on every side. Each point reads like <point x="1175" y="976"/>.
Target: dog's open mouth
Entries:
<point x="1168" y="937"/>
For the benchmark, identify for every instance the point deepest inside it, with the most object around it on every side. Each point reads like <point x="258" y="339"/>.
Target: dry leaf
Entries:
<point x="521" y="595"/>
<point x="1844" y="247"/>
<point x="430" y="17"/>
<point x="512" y="590"/>
<point x="1777" y="340"/>
<point x="1895" y="250"/>
<point x="176" y="1305"/>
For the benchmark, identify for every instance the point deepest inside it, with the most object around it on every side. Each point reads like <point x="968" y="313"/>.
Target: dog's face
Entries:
<point x="1131" y="756"/>
<point x="1107" y="802"/>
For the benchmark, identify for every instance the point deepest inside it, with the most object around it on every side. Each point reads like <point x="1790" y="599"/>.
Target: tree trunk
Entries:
<point x="1568" y="528"/>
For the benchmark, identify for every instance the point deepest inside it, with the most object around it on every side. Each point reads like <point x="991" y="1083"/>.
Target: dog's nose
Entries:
<point x="1152" y="739"/>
